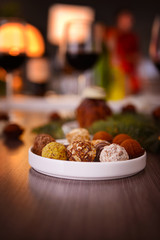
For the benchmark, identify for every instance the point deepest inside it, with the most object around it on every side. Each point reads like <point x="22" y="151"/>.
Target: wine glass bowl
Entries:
<point x="82" y="48"/>
<point x="13" y="42"/>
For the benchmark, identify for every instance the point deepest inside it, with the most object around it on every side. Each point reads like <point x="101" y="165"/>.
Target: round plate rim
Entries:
<point x="86" y="170"/>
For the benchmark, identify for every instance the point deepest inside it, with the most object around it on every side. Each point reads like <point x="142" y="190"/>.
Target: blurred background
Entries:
<point x="38" y="14"/>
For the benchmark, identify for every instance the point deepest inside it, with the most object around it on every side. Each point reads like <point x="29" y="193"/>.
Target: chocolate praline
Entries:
<point x="40" y="142"/>
<point x="12" y="130"/>
<point x="99" y="147"/>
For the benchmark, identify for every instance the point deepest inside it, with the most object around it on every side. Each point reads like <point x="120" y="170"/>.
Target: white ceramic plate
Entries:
<point x="86" y="170"/>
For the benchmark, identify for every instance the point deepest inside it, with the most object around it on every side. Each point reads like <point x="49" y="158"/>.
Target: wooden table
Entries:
<point x="35" y="206"/>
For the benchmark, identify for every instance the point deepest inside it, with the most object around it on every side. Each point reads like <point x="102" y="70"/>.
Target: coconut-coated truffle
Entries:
<point x="133" y="148"/>
<point x="103" y="136"/>
<point x="81" y="151"/>
<point x="113" y="153"/>
<point x="80" y="134"/>
<point x="55" y="150"/>
<point x="118" y="139"/>
<point x="40" y="142"/>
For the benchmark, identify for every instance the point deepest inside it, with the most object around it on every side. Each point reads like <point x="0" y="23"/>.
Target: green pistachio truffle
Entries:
<point x="54" y="150"/>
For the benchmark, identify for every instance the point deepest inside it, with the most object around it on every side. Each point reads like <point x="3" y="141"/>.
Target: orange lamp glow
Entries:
<point x="35" y="42"/>
<point x="61" y="14"/>
<point x="14" y="32"/>
<point x="16" y="38"/>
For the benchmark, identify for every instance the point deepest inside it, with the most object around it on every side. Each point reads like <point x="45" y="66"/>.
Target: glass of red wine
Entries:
<point x="83" y="46"/>
<point x="154" y="48"/>
<point x="12" y="48"/>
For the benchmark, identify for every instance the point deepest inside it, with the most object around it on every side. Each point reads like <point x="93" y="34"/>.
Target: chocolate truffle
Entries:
<point x="80" y="134"/>
<point x="54" y="116"/>
<point x="113" y="153"/>
<point x="81" y="151"/>
<point x="12" y="130"/>
<point x="4" y="116"/>
<point x="103" y="136"/>
<point x="99" y="147"/>
<point x="133" y="148"/>
<point x="40" y="142"/>
<point x="55" y="150"/>
<point x="93" y="106"/>
<point x="118" y="139"/>
<point x="156" y="113"/>
<point x="129" y="108"/>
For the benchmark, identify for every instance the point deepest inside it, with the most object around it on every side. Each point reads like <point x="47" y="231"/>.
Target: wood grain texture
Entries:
<point x="35" y="206"/>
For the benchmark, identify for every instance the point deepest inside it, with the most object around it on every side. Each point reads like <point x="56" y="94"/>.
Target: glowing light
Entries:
<point x="61" y="14"/>
<point x="21" y="39"/>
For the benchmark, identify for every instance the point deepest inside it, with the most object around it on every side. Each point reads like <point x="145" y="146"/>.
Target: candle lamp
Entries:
<point x="18" y="40"/>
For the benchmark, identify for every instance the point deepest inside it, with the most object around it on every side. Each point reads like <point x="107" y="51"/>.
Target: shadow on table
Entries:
<point x="13" y="143"/>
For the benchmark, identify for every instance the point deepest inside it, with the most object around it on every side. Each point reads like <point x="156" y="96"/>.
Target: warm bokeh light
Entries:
<point x="35" y="42"/>
<point x="14" y="43"/>
<point x="60" y="15"/>
<point x="17" y="36"/>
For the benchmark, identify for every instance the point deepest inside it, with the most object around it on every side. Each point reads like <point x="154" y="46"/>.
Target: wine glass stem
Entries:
<point x="9" y="85"/>
<point x="81" y="83"/>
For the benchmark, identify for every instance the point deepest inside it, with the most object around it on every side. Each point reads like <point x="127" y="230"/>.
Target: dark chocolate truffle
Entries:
<point x="4" y="116"/>
<point x="156" y="113"/>
<point x="103" y="136"/>
<point x="12" y="130"/>
<point x="40" y="142"/>
<point x="130" y="108"/>
<point x="99" y="147"/>
<point x="54" y="116"/>
<point x="118" y="139"/>
<point x="133" y="148"/>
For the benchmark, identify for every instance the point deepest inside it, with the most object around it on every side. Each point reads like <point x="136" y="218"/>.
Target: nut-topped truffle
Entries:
<point x="113" y="153"/>
<point x="80" y="134"/>
<point x="81" y="151"/>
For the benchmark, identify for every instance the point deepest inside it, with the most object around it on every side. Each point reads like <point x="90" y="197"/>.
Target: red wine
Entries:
<point x="82" y="61"/>
<point x="9" y="62"/>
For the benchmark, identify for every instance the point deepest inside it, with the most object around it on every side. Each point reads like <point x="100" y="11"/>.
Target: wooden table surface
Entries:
<point x="35" y="206"/>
